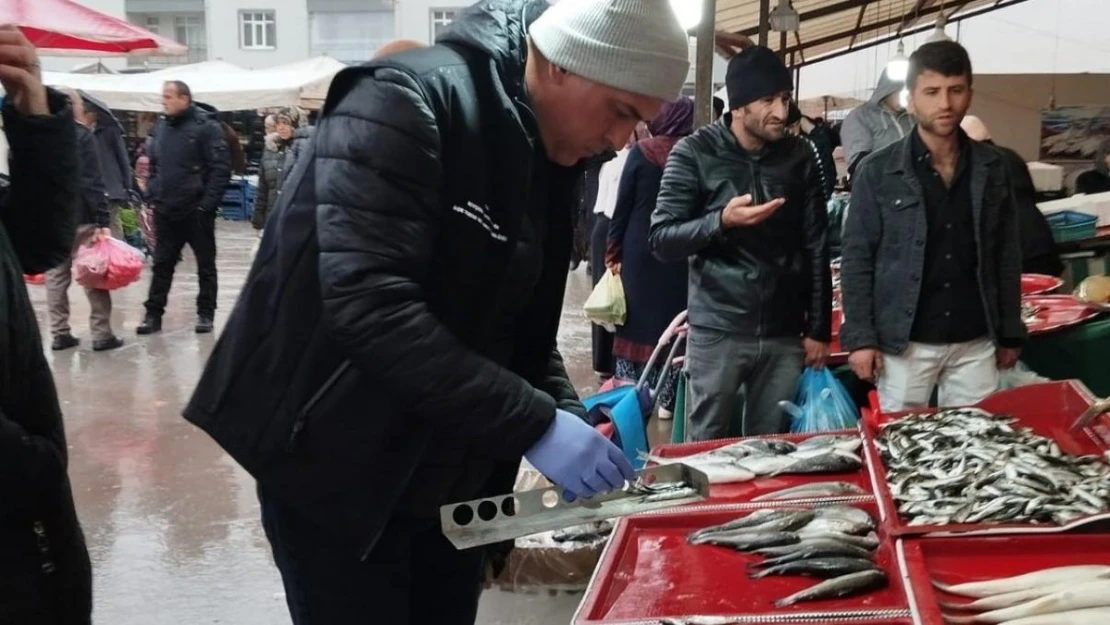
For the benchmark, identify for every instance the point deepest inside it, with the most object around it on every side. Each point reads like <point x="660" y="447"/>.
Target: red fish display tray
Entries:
<point x="1057" y="311"/>
<point x="1048" y="409"/>
<point x="743" y="492"/>
<point x="957" y="560"/>
<point x="1039" y="284"/>
<point x="649" y="572"/>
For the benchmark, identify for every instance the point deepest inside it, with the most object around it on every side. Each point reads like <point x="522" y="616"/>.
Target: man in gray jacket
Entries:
<point x="875" y="124"/>
<point x="115" y="166"/>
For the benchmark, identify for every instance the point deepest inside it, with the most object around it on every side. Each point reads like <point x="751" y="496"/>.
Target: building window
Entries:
<point x="185" y="28"/>
<point x="189" y="30"/>
<point x="258" y="30"/>
<point x="441" y="19"/>
<point x="350" y="37"/>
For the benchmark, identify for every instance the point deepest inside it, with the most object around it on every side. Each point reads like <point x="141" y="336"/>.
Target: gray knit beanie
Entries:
<point x="632" y="45"/>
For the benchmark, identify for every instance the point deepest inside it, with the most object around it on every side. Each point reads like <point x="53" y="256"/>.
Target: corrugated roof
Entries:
<point x="831" y="27"/>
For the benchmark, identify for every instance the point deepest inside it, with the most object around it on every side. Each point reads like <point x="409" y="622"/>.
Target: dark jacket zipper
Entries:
<point x="302" y="414"/>
<point x="43" y="543"/>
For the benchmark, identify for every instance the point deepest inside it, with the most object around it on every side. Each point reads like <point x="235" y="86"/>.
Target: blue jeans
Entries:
<point x="413" y="574"/>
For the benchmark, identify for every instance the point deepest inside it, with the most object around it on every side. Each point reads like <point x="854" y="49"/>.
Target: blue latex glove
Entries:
<point x="578" y="458"/>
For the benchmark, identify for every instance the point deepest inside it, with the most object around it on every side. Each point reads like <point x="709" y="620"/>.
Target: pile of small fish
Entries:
<point x="834" y="543"/>
<point x="755" y="457"/>
<point x="968" y="466"/>
<point x="1070" y="595"/>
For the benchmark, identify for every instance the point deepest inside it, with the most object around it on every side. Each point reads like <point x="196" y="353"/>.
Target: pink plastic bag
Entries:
<point x="108" y="265"/>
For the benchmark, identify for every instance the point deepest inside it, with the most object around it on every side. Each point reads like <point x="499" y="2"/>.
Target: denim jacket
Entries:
<point x="883" y="257"/>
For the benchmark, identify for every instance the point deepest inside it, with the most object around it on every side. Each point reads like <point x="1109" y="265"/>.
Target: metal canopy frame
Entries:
<point x="832" y="28"/>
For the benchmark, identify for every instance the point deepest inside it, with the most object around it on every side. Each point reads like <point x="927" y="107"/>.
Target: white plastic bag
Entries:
<point x="606" y="305"/>
<point x="1018" y="375"/>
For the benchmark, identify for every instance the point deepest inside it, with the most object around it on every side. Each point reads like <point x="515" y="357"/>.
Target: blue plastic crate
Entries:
<point x="1072" y="225"/>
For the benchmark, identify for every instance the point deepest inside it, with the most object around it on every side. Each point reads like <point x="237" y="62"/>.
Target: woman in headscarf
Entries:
<point x="283" y="148"/>
<point x="1098" y="179"/>
<point x="655" y="291"/>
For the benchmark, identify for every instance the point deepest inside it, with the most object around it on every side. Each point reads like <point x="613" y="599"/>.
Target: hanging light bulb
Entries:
<point x="688" y="12"/>
<point x="938" y="33"/>
<point x="904" y="98"/>
<point x="899" y="64"/>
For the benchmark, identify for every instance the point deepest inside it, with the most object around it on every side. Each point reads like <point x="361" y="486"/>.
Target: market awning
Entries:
<point x="65" y="28"/>
<point x="223" y="85"/>
<point x="830" y="28"/>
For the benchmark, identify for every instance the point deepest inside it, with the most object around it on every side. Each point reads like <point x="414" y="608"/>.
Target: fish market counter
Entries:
<point x="994" y="514"/>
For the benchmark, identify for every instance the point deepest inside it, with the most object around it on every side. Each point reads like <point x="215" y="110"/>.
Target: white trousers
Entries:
<point x="965" y="372"/>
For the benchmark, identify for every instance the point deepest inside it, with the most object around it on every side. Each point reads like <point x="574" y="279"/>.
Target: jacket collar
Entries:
<point x="982" y="156"/>
<point x="728" y="143"/>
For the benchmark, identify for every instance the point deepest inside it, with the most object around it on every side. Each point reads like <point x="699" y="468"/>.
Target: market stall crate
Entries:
<point x="1048" y="410"/>
<point x="744" y="492"/>
<point x="649" y="572"/>
<point x="953" y="561"/>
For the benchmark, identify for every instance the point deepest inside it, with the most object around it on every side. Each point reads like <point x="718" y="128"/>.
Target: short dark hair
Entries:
<point x="946" y="58"/>
<point x="181" y="88"/>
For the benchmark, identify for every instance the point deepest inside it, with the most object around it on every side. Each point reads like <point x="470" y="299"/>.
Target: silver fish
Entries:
<point x="1090" y="616"/>
<point x="844" y="586"/>
<point x="815" y="490"/>
<point x="1090" y="595"/>
<point x="815" y="549"/>
<point x="751" y="520"/>
<point x="1081" y="573"/>
<point x="747" y="542"/>
<point x="849" y="442"/>
<point x="824" y="568"/>
<point x="833" y="461"/>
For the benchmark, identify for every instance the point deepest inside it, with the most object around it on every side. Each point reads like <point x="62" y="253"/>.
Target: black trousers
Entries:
<point x="413" y="575"/>
<point x="198" y="231"/>
<point x="602" y="338"/>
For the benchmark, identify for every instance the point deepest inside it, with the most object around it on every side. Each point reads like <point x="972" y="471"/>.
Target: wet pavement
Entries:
<point x="172" y="521"/>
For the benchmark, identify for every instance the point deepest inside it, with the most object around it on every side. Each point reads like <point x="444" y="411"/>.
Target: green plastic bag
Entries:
<point x="606" y="305"/>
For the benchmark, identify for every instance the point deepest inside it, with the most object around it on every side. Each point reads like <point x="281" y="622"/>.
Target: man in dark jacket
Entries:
<point x="743" y="201"/>
<point x="45" y="576"/>
<point x="189" y="170"/>
<point x="115" y="165"/>
<point x="394" y="347"/>
<point x="94" y="219"/>
<point x="931" y="271"/>
<point x="1039" y="253"/>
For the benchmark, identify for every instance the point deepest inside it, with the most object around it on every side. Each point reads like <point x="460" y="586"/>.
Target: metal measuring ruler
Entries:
<point x="506" y="517"/>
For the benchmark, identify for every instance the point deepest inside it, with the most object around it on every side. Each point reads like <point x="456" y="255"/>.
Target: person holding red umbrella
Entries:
<point x="45" y="574"/>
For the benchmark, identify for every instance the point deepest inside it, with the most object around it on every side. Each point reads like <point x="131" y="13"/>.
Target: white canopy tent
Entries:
<point x="223" y="85"/>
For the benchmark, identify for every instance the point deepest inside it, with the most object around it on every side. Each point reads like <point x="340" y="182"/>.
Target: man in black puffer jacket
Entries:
<point x="189" y="169"/>
<point x="743" y="201"/>
<point x="45" y="576"/>
<point x="394" y="347"/>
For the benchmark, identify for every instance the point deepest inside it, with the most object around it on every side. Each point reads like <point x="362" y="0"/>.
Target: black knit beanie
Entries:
<point x="755" y="73"/>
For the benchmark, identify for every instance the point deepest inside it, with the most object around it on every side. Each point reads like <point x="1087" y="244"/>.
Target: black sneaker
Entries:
<point x="150" y="325"/>
<point x="64" y="342"/>
<point x="110" y="343"/>
<point x="204" y="324"/>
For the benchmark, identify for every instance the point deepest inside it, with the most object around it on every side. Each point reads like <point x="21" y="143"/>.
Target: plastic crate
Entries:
<point x="1072" y="225"/>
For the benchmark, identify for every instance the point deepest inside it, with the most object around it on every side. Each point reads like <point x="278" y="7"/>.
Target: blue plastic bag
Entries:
<point x="822" y="404"/>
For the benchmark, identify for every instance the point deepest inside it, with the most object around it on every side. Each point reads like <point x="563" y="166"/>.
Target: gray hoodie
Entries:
<point x="872" y="126"/>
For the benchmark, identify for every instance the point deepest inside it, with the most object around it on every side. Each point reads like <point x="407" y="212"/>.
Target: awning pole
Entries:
<point x="703" y="69"/>
<point x="764" y="21"/>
